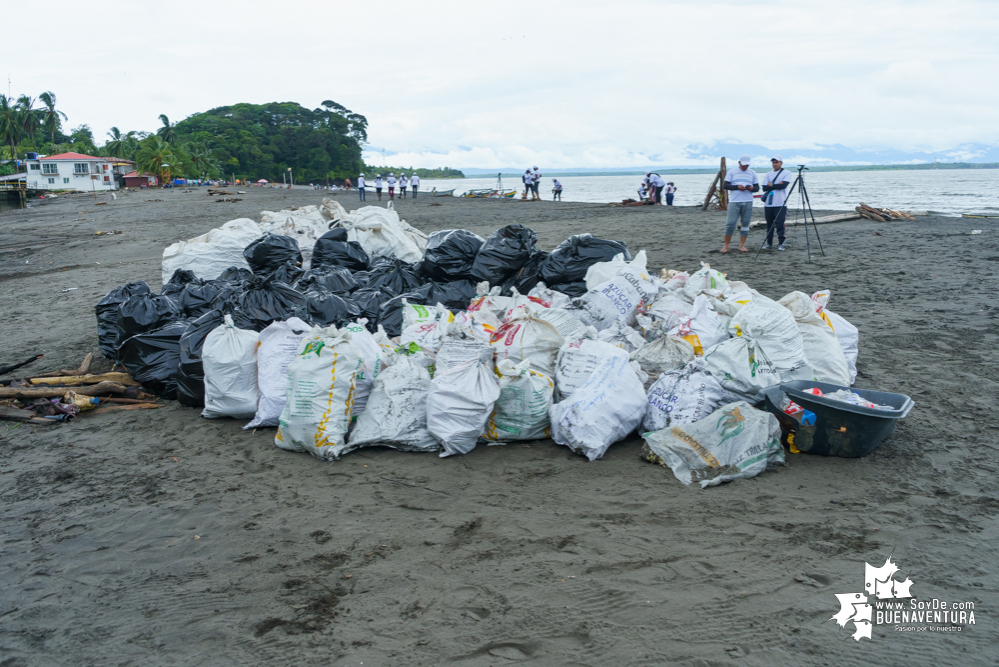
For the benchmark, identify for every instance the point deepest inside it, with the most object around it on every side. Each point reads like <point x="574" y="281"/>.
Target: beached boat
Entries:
<point x="978" y="215"/>
<point x="442" y="193"/>
<point x="490" y="193"/>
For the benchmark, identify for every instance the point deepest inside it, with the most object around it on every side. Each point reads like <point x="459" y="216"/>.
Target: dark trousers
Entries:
<point x="402" y="191"/>
<point x="775" y="219"/>
<point x="669" y="200"/>
<point x="659" y="194"/>
<point x="415" y="188"/>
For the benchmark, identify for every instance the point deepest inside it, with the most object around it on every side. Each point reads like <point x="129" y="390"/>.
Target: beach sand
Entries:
<point x="157" y="537"/>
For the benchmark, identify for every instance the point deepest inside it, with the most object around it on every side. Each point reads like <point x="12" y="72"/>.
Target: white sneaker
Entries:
<point x="767" y="246"/>
<point x="781" y="247"/>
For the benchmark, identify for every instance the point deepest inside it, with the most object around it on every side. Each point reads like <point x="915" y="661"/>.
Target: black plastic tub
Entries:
<point x="840" y="429"/>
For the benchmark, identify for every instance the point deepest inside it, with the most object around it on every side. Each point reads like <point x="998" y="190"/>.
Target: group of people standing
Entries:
<point x="532" y="185"/>
<point x="653" y="186"/>
<point x="742" y="182"/>
<point x="412" y="181"/>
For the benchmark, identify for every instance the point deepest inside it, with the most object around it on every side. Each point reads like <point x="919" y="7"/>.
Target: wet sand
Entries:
<point x="158" y="537"/>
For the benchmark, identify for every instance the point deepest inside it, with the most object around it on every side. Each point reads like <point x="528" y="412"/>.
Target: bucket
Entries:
<point x="840" y="429"/>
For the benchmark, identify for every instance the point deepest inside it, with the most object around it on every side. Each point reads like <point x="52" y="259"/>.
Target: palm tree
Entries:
<point x="51" y="117"/>
<point x="115" y="147"/>
<point x="10" y="124"/>
<point x="28" y="116"/>
<point x="155" y="157"/>
<point x="167" y="132"/>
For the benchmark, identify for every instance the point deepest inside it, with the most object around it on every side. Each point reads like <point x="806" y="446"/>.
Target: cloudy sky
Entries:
<point x="566" y="84"/>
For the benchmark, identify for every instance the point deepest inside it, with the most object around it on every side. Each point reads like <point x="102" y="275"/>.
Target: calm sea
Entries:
<point x="944" y="190"/>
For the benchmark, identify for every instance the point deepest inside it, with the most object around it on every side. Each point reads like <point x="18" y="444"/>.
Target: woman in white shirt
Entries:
<point x="670" y="191"/>
<point x="402" y="186"/>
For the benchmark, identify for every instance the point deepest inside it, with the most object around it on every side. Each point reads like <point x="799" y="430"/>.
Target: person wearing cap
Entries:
<point x="414" y="182"/>
<point x="657" y="183"/>
<point x="402" y="186"/>
<point x="556" y="190"/>
<point x="391" y="185"/>
<point x="360" y="187"/>
<point x="378" y="186"/>
<point x="643" y="190"/>
<point x="528" y="181"/>
<point x="742" y="182"/>
<point x="536" y="182"/>
<point x="775" y="185"/>
<point x="670" y="191"/>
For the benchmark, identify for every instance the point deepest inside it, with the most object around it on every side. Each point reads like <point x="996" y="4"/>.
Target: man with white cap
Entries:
<point x="658" y="184"/>
<point x="402" y="185"/>
<point x="742" y="182"/>
<point x="414" y="182"/>
<point x="775" y="186"/>
<point x="360" y="187"/>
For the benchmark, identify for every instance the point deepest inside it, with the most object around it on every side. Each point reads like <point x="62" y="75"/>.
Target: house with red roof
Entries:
<point x="72" y="171"/>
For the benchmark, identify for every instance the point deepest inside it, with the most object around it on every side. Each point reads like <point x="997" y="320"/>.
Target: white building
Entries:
<point x="72" y="171"/>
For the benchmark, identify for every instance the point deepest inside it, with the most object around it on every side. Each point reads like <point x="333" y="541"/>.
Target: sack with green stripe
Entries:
<point x="734" y="441"/>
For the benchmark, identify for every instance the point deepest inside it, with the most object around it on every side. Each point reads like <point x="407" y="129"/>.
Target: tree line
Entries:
<point x="444" y="172"/>
<point x="249" y="141"/>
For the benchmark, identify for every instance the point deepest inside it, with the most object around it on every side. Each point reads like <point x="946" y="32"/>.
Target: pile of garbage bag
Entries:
<point x="370" y="333"/>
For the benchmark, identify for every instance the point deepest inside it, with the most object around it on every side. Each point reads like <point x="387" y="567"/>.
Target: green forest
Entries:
<point x="250" y="141"/>
<point x="444" y="172"/>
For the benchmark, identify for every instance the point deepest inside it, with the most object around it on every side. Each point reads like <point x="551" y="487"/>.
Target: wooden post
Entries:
<point x="711" y="192"/>
<point x="722" y="192"/>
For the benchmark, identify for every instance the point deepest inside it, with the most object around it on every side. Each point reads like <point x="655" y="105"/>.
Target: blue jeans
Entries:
<point x="415" y="189"/>
<point x="738" y="211"/>
<point x="669" y="200"/>
<point x="363" y="194"/>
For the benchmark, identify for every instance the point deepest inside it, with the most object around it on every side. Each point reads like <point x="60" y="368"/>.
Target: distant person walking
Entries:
<point x="402" y="186"/>
<point x="391" y="185"/>
<point x="378" y="186"/>
<point x="360" y="187"/>
<point x="742" y="182"/>
<point x="556" y="190"/>
<point x="775" y="185"/>
<point x="536" y="182"/>
<point x="414" y="182"/>
<point x="670" y="191"/>
<point x="658" y="184"/>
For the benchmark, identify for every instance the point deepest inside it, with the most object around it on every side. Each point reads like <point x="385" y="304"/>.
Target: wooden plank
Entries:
<point x="73" y="380"/>
<point x="112" y="408"/>
<point x="56" y="392"/>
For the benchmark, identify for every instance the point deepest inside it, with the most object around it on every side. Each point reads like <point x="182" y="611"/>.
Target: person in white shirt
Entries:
<point x="402" y="186"/>
<point x="536" y="182"/>
<point x="741" y="182"/>
<point x="528" y="179"/>
<point x="360" y="187"/>
<point x="391" y="185"/>
<point x="414" y="182"/>
<point x="378" y="186"/>
<point x="556" y="190"/>
<point x="775" y="185"/>
<point x="670" y="191"/>
<point x="643" y="191"/>
<point x="658" y="184"/>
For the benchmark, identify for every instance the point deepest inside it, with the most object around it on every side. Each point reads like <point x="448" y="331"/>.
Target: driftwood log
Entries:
<point x="56" y="392"/>
<point x="82" y="370"/>
<point x="13" y="367"/>
<point x="120" y="378"/>
<point x="27" y="416"/>
<point x="135" y="406"/>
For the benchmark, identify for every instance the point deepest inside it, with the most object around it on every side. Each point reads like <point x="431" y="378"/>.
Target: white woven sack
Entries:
<point x="229" y="356"/>
<point x="278" y="343"/>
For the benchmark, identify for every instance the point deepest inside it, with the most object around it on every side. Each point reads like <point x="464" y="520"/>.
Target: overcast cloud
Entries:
<point x="564" y="84"/>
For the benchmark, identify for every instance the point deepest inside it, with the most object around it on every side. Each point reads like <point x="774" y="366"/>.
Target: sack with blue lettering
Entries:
<point x="735" y="441"/>
<point x="682" y="396"/>
<point x="615" y="300"/>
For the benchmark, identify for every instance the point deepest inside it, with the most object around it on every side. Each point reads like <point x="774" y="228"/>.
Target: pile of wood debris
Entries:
<point x="881" y="214"/>
<point x="63" y="395"/>
<point x="633" y="202"/>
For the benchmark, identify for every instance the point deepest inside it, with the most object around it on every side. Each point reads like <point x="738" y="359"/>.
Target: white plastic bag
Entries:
<point x="459" y="404"/>
<point x="376" y="353"/>
<point x="521" y="411"/>
<point x="662" y="355"/>
<point x="706" y="278"/>
<point x="848" y="335"/>
<point x="576" y="361"/>
<point x="396" y="415"/>
<point x="320" y="394"/>
<point x="773" y="328"/>
<point x="615" y="300"/>
<point x="669" y="309"/>
<point x="822" y="348"/>
<point x="278" y="344"/>
<point x="601" y="272"/>
<point x="682" y="396"/>
<point x="567" y="324"/>
<point x="229" y="356"/>
<point x="424" y="325"/>
<point x="459" y="345"/>
<point x="382" y="233"/>
<point x="734" y="441"/>
<point x="622" y="336"/>
<point x="489" y="299"/>
<point x="605" y="409"/>
<point x="742" y="368"/>
<point x="704" y="327"/>
<point x="531" y="338"/>
<point x="550" y="297"/>
<point x="210" y="254"/>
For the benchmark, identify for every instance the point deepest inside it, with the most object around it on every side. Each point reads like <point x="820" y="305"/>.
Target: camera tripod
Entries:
<point x="806" y="211"/>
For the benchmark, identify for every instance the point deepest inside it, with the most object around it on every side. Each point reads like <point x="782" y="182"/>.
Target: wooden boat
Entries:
<point x="479" y="194"/>
<point x="441" y="193"/>
<point x="977" y="215"/>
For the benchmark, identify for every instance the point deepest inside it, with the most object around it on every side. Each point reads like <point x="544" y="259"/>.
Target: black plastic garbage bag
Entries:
<point x="326" y="308"/>
<point x="288" y="274"/>
<point x="179" y="279"/>
<point x="454" y="295"/>
<point x="264" y="301"/>
<point x="333" y="249"/>
<point x="572" y="289"/>
<point x="270" y="251"/>
<point x="196" y="298"/>
<point x="393" y="275"/>
<point x="235" y="274"/>
<point x="569" y="261"/>
<point x="144" y="312"/>
<point x="152" y="357"/>
<point x="336" y="279"/>
<point x="450" y="254"/>
<point x="190" y="372"/>
<point x="107" y="315"/>
<point x="390" y="314"/>
<point x="369" y="302"/>
<point x="504" y="252"/>
<point x="527" y="276"/>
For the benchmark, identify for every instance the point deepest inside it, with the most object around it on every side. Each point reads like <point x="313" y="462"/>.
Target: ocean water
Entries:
<point x="952" y="191"/>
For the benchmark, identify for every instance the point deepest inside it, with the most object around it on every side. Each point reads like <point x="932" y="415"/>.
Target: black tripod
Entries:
<point x="806" y="212"/>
